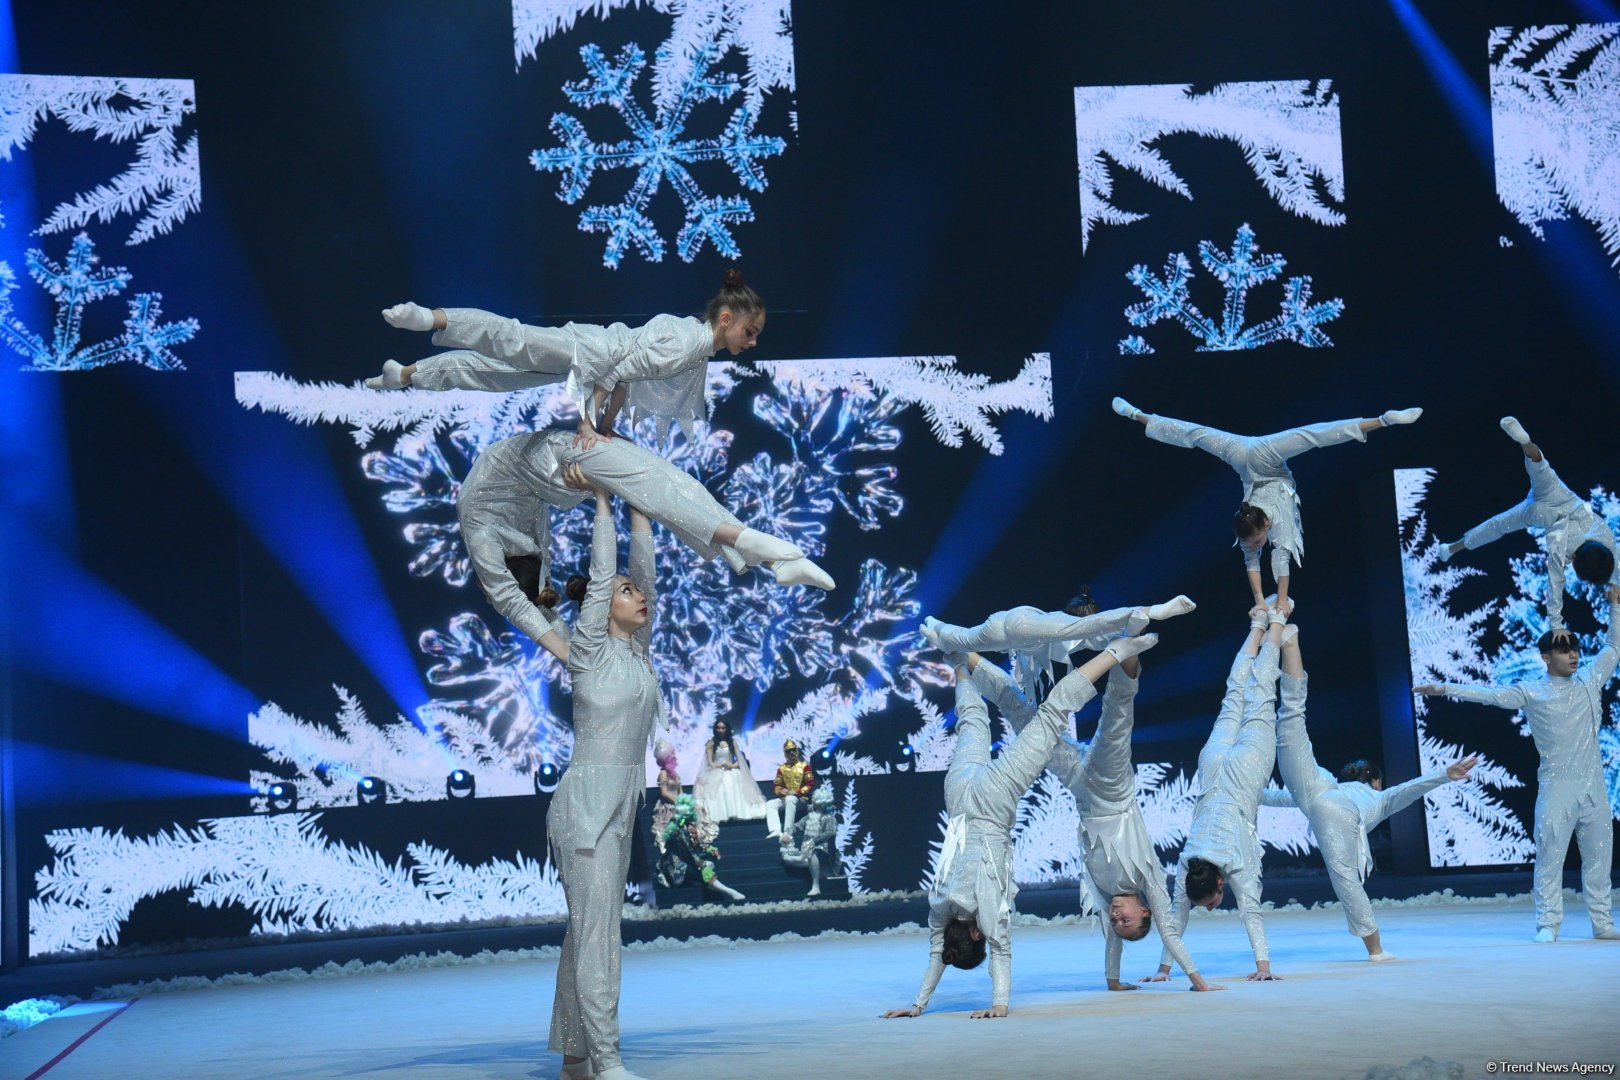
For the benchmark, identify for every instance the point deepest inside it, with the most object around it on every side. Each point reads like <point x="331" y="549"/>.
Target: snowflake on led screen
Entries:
<point x="1468" y="825"/>
<point x="1288" y="131"/>
<point x="1238" y="271"/>
<point x="73" y="285"/>
<point x="163" y="184"/>
<point x="834" y="423"/>
<point x="658" y="150"/>
<point x="1555" y="125"/>
<point x="282" y="868"/>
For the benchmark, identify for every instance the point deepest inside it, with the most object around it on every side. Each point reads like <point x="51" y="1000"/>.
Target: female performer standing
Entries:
<point x="592" y="816"/>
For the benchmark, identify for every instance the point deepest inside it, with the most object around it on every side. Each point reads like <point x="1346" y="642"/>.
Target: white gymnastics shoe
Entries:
<point x="1126" y="409"/>
<point x="1400" y="416"/>
<point x="1515" y="430"/>
<point x="1382" y="957"/>
<point x="409" y="316"/>
<point x="802" y="571"/>
<point x="390" y="379"/>
<point x="1546" y="935"/>
<point x="1181" y="605"/>
<point x="758" y="547"/>
<point x="1122" y="649"/>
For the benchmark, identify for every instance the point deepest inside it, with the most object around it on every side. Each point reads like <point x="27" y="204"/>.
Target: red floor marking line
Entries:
<point x="76" y="1043"/>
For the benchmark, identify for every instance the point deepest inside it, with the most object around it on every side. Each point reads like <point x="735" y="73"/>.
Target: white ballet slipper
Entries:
<point x="1515" y="430"/>
<point x="1123" y="649"/>
<point x="1382" y="957"/>
<point x="1400" y="416"/>
<point x="930" y="632"/>
<point x="1181" y="605"/>
<point x="1449" y="551"/>
<point x="734" y="559"/>
<point x="1138" y="620"/>
<point x="1606" y="934"/>
<point x="1290" y="632"/>
<point x="1546" y="935"/>
<point x="409" y="316"/>
<point x="758" y="547"/>
<point x="1126" y="409"/>
<point x="802" y="571"/>
<point x="815" y="890"/>
<point x="392" y="377"/>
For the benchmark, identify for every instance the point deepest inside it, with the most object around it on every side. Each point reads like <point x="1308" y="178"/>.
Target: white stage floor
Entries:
<point x="1470" y="987"/>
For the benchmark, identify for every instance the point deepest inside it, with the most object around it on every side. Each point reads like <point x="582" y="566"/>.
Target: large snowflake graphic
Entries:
<point x="1238" y="271"/>
<point x="1288" y="131"/>
<point x="73" y="285"/>
<point x="1555" y="125"/>
<point x="658" y="150"/>
<point x="1468" y="824"/>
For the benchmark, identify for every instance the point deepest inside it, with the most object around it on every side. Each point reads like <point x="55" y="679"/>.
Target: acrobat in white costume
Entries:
<point x="1038" y="639"/>
<point x="504" y="509"/>
<point x="1233" y="769"/>
<point x="1261" y="462"/>
<point x="1341" y="814"/>
<point x="1569" y="522"/>
<point x="1122" y="872"/>
<point x="659" y="369"/>
<point x="1565" y="710"/>
<point x="973" y="886"/>
<point x="593" y="813"/>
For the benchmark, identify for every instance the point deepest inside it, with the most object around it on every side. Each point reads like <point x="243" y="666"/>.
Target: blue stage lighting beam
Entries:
<point x="49" y="774"/>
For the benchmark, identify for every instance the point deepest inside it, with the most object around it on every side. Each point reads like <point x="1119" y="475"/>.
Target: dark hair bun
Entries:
<point x="734" y="278"/>
<point x="575" y="589"/>
<point x="548" y="597"/>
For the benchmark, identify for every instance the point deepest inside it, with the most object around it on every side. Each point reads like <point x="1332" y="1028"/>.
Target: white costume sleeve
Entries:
<point x="489" y="561"/>
<point x="1503" y="697"/>
<point x="1601" y="669"/>
<point x="1278" y="798"/>
<point x="1181" y="911"/>
<point x="1246" y="891"/>
<point x="1393" y="800"/>
<point x="936" y="963"/>
<point x="994" y="683"/>
<point x="1168" y="921"/>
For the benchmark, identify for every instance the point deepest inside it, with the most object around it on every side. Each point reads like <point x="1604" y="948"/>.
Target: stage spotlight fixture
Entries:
<point x="371" y="791"/>
<point x="546" y="778"/>
<point x="283" y="796"/>
<point x="907" y="759"/>
<point x="460" y="784"/>
<point x="824" y="762"/>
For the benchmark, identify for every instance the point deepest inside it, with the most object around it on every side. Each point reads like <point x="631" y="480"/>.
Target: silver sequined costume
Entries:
<point x="504" y="508"/>
<point x="1233" y="769"/>
<point x="1114" y="840"/>
<point x="974" y="876"/>
<point x="664" y="362"/>
<point x="1036" y="639"/>
<point x="1341" y="814"/>
<point x="1564" y="715"/>
<point x="1261" y="462"/>
<point x="1568" y="520"/>
<point x="594" y="810"/>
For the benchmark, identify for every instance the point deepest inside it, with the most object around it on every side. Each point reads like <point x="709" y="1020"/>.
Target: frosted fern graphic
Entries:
<point x="1555" y="125"/>
<point x="1238" y="271"/>
<point x="73" y="285"/>
<point x="1288" y="132"/>
<point x="282" y="868"/>
<point x="658" y="150"/>
<point x="163" y="184"/>
<point x="1467" y="824"/>
<point x="761" y="30"/>
<point x="715" y="632"/>
<point x="854" y="847"/>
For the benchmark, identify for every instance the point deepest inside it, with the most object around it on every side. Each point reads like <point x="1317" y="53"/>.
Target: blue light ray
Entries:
<point x="53" y="775"/>
<point x="1467" y="99"/>
<point x="70" y="627"/>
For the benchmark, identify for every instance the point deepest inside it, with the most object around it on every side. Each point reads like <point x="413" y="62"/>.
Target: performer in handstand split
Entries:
<point x="1270" y="509"/>
<point x="970" y="908"/>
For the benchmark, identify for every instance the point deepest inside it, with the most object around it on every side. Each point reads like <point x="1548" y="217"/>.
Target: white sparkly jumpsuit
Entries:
<point x="1035" y="638"/>
<point x="1564" y="714"/>
<point x="504" y="508"/>
<point x="974" y="876"/>
<point x="1233" y="769"/>
<point x="1261" y="462"/>
<point x="1114" y="840"/>
<point x="665" y="362"/>
<point x="1341" y="814"/>
<point x="593" y="812"/>
<point x="1568" y="520"/>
